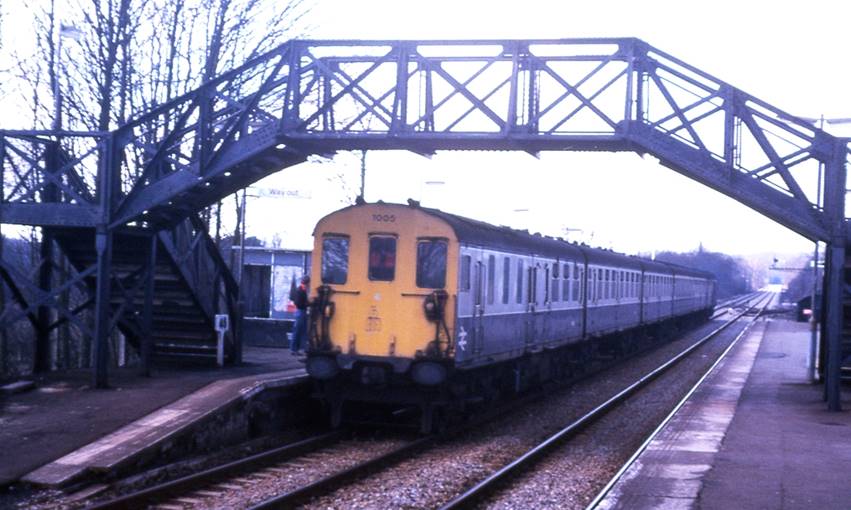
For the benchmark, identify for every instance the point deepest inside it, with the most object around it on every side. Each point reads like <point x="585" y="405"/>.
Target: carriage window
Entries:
<point x="431" y="264"/>
<point x="335" y="260"/>
<point x="591" y="285"/>
<point x="595" y="284"/>
<point x="565" y="290"/>
<point x="606" y="284"/>
<point x="491" y="277"/>
<point x="554" y="292"/>
<point x="532" y="294"/>
<point x="382" y="258"/>
<point x="465" y="273"/>
<point x="598" y="277"/>
<point x="506" y="275"/>
<point x="519" y="281"/>
<point x="576" y="293"/>
<point x="618" y="284"/>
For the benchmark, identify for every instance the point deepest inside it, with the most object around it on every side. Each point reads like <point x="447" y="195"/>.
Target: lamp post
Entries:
<point x="811" y="362"/>
<point x="568" y="230"/>
<point x="428" y="185"/>
<point x="65" y="31"/>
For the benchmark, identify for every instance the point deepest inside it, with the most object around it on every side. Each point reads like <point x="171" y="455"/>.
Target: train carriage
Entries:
<point x="408" y="299"/>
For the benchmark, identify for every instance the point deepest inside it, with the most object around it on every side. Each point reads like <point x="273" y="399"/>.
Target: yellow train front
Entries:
<point x="381" y="310"/>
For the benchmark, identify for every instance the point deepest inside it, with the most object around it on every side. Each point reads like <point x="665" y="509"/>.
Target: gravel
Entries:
<point x="568" y="478"/>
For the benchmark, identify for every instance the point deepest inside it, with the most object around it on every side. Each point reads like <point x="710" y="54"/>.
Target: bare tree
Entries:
<point x="98" y="63"/>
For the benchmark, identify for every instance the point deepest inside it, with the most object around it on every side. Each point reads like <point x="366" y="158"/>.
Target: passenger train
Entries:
<point x="412" y="305"/>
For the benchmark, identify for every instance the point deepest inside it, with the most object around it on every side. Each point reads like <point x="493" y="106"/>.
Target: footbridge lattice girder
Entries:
<point x="323" y="96"/>
<point x="317" y="97"/>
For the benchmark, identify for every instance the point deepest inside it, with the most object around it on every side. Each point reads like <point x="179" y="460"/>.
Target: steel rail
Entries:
<point x="145" y="497"/>
<point x="608" y="487"/>
<point x="288" y="500"/>
<point x="484" y="487"/>
<point x="317" y="487"/>
<point x="736" y="301"/>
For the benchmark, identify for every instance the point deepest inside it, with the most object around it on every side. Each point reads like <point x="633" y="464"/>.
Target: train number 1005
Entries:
<point x="384" y="218"/>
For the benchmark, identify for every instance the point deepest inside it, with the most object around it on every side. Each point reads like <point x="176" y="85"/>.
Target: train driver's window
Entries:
<point x="335" y="260"/>
<point x="382" y="258"/>
<point x="465" y="274"/>
<point x="431" y="264"/>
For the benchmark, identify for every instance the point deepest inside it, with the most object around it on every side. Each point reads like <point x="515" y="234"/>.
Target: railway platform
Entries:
<point x="53" y="434"/>
<point x="755" y="435"/>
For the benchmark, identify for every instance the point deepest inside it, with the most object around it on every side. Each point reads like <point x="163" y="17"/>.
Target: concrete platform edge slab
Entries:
<point x="672" y="467"/>
<point x="167" y="423"/>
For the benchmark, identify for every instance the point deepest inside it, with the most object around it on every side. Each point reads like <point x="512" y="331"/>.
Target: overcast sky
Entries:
<point x="791" y="54"/>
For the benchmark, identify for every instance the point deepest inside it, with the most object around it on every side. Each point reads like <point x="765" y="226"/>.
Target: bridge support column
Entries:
<point x="834" y="208"/>
<point x="41" y="354"/>
<point x="148" y="310"/>
<point x="833" y="322"/>
<point x="103" y="245"/>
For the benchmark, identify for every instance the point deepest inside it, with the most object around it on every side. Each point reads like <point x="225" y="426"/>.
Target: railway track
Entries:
<point x="324" y="486"/>
<point x="526" y="461"/>
<point x="200" y="490"/>
<point x="273" y="480"/>
<point x="737" y="301"/>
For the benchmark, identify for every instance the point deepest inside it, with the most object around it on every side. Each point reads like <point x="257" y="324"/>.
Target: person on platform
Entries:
<point x="299" y="299"/>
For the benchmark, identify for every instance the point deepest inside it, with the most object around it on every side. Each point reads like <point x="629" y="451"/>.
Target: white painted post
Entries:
<point x="221" y="328"/>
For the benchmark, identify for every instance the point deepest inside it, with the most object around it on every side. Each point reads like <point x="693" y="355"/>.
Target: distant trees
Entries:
<point x="801" y="285"/>
<point x="732" y="275"/>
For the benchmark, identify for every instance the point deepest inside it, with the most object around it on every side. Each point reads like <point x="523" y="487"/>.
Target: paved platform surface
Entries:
<point x="63" y="414"/>
<point x="756" y="435"/>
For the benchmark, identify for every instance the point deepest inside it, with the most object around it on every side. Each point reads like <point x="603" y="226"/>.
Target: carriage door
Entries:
<point x="478" y="307"/>
<point x="531" y="305"/>
<point x="544" y="316"/>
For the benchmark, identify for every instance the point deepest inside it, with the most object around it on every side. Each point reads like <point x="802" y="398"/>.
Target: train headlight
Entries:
<point x="322" y="367"/>
<point x="428" y="373"/>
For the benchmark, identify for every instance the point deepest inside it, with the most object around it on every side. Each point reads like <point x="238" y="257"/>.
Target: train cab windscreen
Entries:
<point x="335" y="260"/>
<point x="431" y="264"/>
<point x="382" y="258"/>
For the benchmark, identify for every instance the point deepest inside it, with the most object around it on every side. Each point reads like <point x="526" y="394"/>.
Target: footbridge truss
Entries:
<point x="148" y="178"/>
